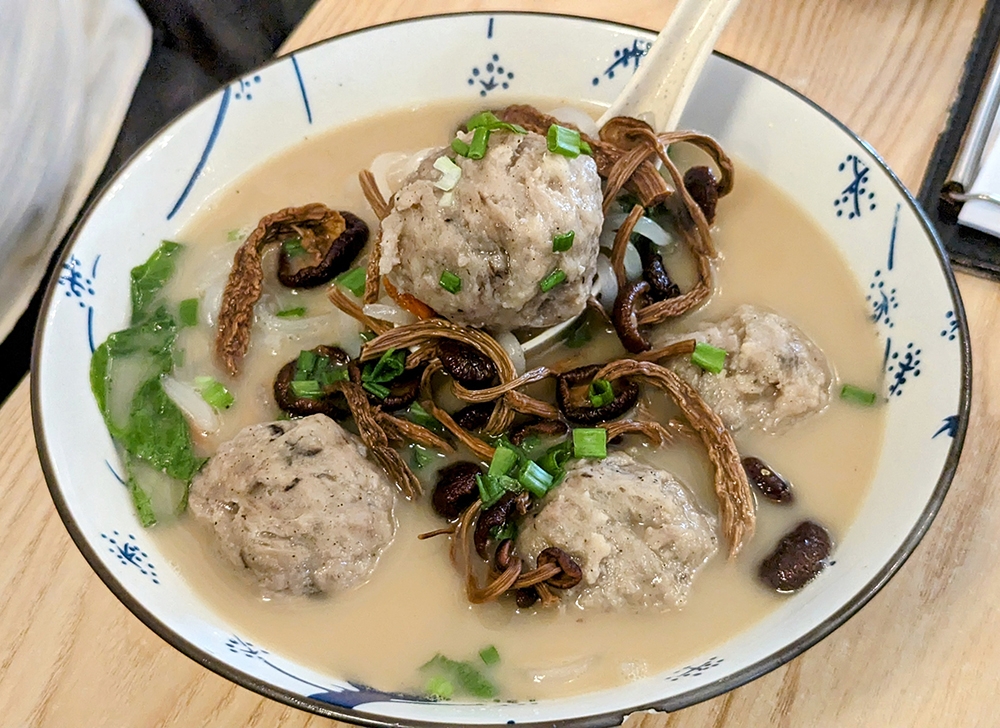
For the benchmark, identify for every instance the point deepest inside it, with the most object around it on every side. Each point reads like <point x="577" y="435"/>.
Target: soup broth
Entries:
<point x="414" y="606"/>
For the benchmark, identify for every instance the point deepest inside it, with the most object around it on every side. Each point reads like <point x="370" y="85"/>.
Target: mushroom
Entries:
<point x="333" y="245"/>
<point x="328" y="403"/>
<point x="570" y="574"/>
<point x="474" y="417"/>
<point x="660" y="285"/>
<point x="623" y="316"/>
<point x="465" y="364"/>
<point x="496" y="517"/>
<point x="455" y="489"/>
<point x="546" y="428"/>
<point x="403" y="390"/>
<point x="625" y="391"/>
<point x="701" y="185"/>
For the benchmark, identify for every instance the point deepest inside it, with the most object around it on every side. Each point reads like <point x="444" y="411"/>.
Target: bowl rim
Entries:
<point x="601" y="720"/>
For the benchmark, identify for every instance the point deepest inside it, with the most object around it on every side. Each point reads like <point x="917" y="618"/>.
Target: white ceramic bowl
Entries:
<point x="837" y="178"/>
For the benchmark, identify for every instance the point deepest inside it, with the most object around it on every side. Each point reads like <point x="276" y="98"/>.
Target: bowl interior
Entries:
<point x="836" y="178"/>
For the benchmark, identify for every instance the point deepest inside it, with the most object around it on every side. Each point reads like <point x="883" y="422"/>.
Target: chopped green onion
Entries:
<point x="858" y="395"/>
<point x="305" y="367"/>
<point x="451" y="173"/>
<point x="552" y="280"/>
<point x="450" y="282"/>
<point x="460" y="147"/>
<point x="233" y="235"/>
<point x="502" y="533"/>
<point x="480" y="138"/>
<point x="187" y="311"/>
<point x="375" y="388"/>
<point x="214" y="392"/>
<point x="504" y="458"/>
<point x="439" y="687"/>
<point x="489" y="490"/>
<point x="708" y="357"/>
<point x="297" y="312"/>
<point x="293" y="247"/>
<point x="332" y="373"/>
<point x="535" y="479"/>
<point x="390" y="365"/>
<point x="366" y="336"/>
<point x="354" y="280"/>
<point x="585" y="148"/>
<point x="530" y="444"/>
<point x="590" y="442"/>
<point x="600" y="393"/>
<point x="555" y="458"/>
<point x="563" y="242"/>
<point x="489" y="655"/>
<point x="483" y="118"/>
<point x="563" y="141"/>
<point x="306" y="388"/>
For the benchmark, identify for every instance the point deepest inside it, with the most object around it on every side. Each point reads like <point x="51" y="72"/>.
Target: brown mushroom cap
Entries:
<point x="336" y="242"/>
<point x="626" y="395"/>
<point x="571" y="574"/>
<point x="465" y="364"/>
<point x="456" y="489"/>
<point x="332" y="404"/>
<point x="701" y="185"/>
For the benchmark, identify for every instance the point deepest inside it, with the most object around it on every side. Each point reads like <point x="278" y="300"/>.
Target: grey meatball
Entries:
<point x="496" y="234"/>
<point x="774" y="374"/>
<point x="635" y="531"/>
<point x="297" y="505"/>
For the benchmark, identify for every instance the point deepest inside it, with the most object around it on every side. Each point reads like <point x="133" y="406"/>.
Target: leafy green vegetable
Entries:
<point x="390" y="365"/>
<point x="149" y="278"/>
<point x="158" y="433"/>
<point x="187" y="312"/>
<point x="465" y="676"/>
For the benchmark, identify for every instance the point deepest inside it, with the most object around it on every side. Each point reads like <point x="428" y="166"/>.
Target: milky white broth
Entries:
<point x="771" y="254"/>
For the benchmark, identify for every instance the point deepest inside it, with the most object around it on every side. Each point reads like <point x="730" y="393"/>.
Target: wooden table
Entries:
<point x="924" y="652"/>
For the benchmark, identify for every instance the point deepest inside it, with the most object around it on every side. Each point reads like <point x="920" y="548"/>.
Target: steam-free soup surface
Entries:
<point x="772" y="255"/>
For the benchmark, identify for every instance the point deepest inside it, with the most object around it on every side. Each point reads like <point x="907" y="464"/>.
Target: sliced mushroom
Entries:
<point x="570" y="572"/>
<point x="701" y="185"/>
<point x="496" y="516"/>
<point x="474" y="417"/>
<point x="582" y="412"/>
<point x="797" y="559"/>
<point x="329" y="403"/>
<point x="328" y="249"/>
<point x="545" y="428"/>
<point x="456" y="489"/>
<point x="466" y="365"/>
<point x="655" y="273"/>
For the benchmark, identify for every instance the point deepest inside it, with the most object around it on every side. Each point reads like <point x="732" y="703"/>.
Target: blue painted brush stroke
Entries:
<point x="302" y="88"/>
<point x="223" y="106"/>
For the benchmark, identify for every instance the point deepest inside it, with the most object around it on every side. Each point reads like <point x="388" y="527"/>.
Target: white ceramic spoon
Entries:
<point x="660" y="88"/>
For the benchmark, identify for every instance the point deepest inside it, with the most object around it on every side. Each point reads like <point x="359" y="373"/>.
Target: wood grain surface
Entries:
<point x="924" y="652"/>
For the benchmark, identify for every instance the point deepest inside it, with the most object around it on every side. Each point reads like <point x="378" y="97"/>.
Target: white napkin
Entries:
<point x="68" y="69"/>
<point x="980" y="214"/>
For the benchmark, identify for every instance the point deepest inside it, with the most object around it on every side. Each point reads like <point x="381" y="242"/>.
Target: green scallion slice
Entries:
<point x="366" y="336"/>
<point x="555" y="458"/>
<point x="563" y="242"/>
<point x="489" y="655"/>
<point x="708" y="357"/>
<point x="563" y="141"/>
<point x="332" y="373"/>
<point x="440" y="688"/>
<point x="187" y="312"/>
<point x="293" y="247"/>
<point x="375" y="388"/>
<point x="305" y="367"/>
<point x="534" y="478"/>
<point x="552" y="280"/>
<point x="600" y="393"/>
<point x="297" y="312"/>
<point x="306" y="388"/>
<point x="590" y="442"/>
<point x="484" y="118"/>
<point x="214" y="392"/>
<point x="354" y="281"/>
<point x="450" y="282"/>
<point x="460" y="147"/>
<point x="578" y="334"/>
<point x="504" y="459"/>
<point x="480" y="138"/>
<point x="585" y="148"/>
<point x="489" y="490"/>
<point x="858" y="395"/>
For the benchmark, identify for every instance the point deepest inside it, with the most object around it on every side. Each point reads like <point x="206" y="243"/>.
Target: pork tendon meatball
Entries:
<point x="635" y="531"/>
<point x="774" y="374"/>
<point x="496" y="235"/>
<point x="296" y="505"/>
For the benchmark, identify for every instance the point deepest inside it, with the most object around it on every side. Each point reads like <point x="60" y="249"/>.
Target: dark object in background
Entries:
<point x="198" y="45"/>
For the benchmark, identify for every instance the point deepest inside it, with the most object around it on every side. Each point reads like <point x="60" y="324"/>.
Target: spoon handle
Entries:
<point x="659" y="89"/>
